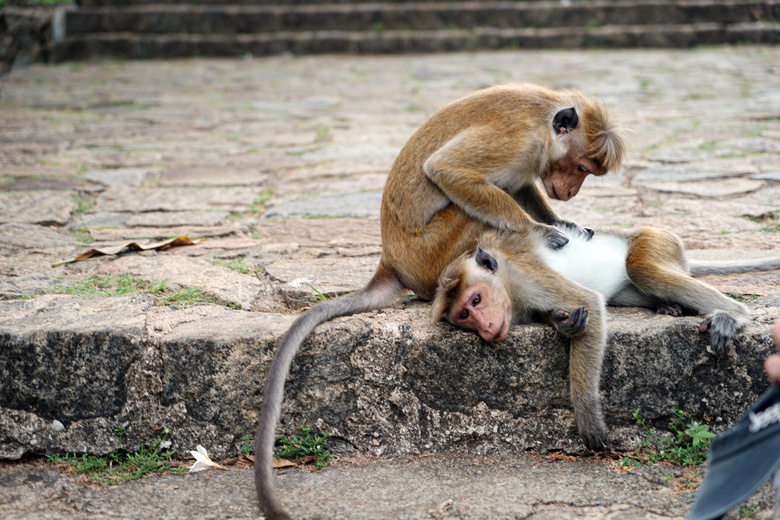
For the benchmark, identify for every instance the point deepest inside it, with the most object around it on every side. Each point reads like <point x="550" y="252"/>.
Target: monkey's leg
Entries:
<point x="585" y="359"/>
<point x="656" y="265"/>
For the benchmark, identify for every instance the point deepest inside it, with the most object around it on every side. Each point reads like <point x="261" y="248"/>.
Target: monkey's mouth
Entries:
<point x="500" y="330"/>
<point x="555" y="193"/>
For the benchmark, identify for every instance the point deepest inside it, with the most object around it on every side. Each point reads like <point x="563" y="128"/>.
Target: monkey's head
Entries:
<point x="583" y="142"/>
<point x="472" y="296"/>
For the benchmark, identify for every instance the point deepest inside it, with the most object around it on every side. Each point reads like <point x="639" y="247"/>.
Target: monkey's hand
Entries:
<point x="554" y="238"/>
<point x="570" y="325"/>
<point x="573" y="227"/>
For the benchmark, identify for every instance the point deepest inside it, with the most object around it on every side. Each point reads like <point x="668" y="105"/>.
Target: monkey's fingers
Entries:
<point x="554" y="238"/>
<point x="573" y="324"/>
<point x="578" y="321"/>
<point x="576" y="228"/>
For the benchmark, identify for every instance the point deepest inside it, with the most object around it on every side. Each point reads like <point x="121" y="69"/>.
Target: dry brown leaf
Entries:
<point x="113" y="250"/>
<point x="284" y="463"/>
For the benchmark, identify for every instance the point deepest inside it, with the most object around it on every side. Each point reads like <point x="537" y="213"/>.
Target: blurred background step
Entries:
<point x="181" y="28"/>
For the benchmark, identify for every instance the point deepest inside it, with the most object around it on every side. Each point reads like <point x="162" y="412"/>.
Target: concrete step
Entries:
<point x="131" y="45"/>
<point x="400" y="16"/>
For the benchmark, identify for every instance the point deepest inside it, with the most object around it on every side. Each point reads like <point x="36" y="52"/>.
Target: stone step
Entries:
<point x="72" y="369"/>
<point x="131" y="45"/>
<point x="127" y="3"/>
<point x="399" y="16"/>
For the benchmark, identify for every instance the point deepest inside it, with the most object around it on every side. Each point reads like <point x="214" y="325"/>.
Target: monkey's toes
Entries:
<point x="670" y="309"/>
<point x="595" y="441"/>
<point x="719" y="342"/>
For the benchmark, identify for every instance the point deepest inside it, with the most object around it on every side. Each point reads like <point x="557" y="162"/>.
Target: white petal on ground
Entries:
<point x="202" y="460"/>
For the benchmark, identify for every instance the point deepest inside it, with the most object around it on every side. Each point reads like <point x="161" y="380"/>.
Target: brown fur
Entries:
<point x="472" y="167"/>
<point x="536" y="289"/>
<point x="658" y="276"/>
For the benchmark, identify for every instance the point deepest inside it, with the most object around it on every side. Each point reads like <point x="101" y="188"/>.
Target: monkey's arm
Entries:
<point x="580" y="314"/>
<point x="533" y="200"/>
<point x="474" y="168"/>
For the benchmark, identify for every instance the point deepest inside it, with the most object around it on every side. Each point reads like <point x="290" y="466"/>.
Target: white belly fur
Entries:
<point x="598" y="263"/>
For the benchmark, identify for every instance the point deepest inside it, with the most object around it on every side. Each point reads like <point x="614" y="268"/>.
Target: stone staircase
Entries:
<point x="181" y="28"/>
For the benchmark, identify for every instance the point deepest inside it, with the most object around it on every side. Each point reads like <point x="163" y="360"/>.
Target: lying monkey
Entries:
<point x="514" y="276"/>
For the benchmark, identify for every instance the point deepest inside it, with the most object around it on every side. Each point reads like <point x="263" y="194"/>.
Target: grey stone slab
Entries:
<point x="39" y="207"/>
<point x="25" y="285"/>
<point x="668" y="173"/>
<point x="28" y="236"/>
<point x="362" y="204"/>
<point x="132" y="233"/>
<point x="183" y="271"/>
<point x="768" y="197"/>
<point x="97" y="339"/>
<point x="719" y="188"/>
<point x="177" y="218"/>
<point x="751" y="145"/>
<point x="102" y="219"/>
<point x="767" y="176"/>
<point x="328" y="275"/>
<point x="358" y="151"/>
<point x="214" y="175"/>
<point x="137" y="200"/>
<point x="321" y="233"/>
<point x="122" y="176"/>
<point x="47" y="183"/>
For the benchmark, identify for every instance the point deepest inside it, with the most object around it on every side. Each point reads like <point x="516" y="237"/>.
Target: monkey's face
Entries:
<point x="484" y="304"/>
<point x="563" y="179"/>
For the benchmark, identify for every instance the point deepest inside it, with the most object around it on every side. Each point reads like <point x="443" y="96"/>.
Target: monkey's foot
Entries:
<point x="722" y="327"/>
<point x="570" y="325"/>
<point x="591" y="427"/>
<point x="670" y="309"/>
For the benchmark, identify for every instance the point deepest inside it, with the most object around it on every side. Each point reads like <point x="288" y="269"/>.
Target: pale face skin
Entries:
<point x="563" y="179"/>
<point x="485" y="307"/>
<point x="772" y="363"/>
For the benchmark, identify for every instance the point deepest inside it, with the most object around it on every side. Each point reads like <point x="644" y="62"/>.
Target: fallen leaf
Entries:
<point x="307" y="459"/>
<point x="113" y="250"/>
<point x="283" y="463"/>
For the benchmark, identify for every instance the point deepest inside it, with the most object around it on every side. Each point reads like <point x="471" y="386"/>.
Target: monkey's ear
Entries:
<point x="565" y="120"/>
<point x="486" y="261"/>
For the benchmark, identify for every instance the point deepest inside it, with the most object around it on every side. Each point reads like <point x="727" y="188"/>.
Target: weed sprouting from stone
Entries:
<point x="687" y="445"/>
<point x="307" y="445"/>
<point x="121" y="466"/>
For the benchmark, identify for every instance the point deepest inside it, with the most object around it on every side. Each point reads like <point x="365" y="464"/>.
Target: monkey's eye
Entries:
<point x="583" y="169"/>
<point x="476" y="300"/>
<point x="464" y="315"/>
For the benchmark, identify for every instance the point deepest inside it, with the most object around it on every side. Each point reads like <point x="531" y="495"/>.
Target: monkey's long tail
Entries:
<point x="382" y="290"/>
<point x="734" y="267"/>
